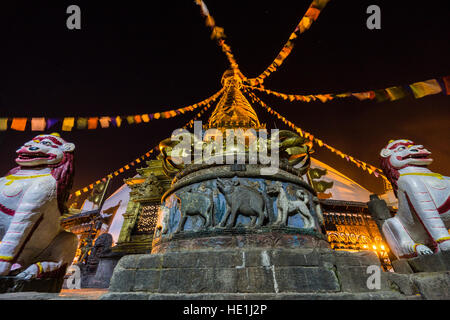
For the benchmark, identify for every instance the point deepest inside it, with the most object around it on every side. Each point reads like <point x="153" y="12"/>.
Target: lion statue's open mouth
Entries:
<point x="30" y="156"/>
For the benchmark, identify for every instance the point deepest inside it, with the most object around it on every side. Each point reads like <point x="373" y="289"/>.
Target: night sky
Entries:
<point x="131" y="58"/>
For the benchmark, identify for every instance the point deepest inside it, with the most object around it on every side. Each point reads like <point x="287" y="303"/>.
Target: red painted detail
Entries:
<point x="53" y="139"/>
<point x="445" y="207"/>
<point x="401" y="144"/>
<point x="409" y="256"/>
<point x="6" y="210"/>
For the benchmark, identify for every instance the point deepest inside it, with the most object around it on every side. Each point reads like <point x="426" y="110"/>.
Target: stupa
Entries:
<point x="241" y="230"/>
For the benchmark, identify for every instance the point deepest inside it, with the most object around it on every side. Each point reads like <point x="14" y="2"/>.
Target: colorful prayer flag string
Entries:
<point x="360" y="164"/>
<point x="143" y="157"/>
<point x="92" y="123"/>
<point x="418" y="89"/>
<point x="305" y="23"/>
<point x="218" y="34"/>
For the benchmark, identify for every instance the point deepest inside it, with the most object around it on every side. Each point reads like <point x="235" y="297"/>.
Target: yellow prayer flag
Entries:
<point x="68" y="124"/>
<point x="304" y="24"/>
<point x="118" y="121"/>
<point x="395" y="93"/>
<point x="130" y="119"/>
<point x="425" y="88"/>
<point x="3" y="124"/>
<point x="145" y="118"/>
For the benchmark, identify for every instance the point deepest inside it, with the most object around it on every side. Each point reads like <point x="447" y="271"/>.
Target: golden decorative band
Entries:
<point x="6" y="258"/>
<point x="417" y="244"/>
<point x="437" y="175"/>
<point x="14" y="178"/>
<point x="442" y="239"/>
<point x="40" y="269"/>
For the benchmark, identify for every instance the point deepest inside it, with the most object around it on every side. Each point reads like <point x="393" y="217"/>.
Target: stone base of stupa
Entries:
<point x="266" y="273"/>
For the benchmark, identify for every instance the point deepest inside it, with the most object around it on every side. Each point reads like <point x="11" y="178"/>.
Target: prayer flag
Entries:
<point x="68" y="124"/>
<point x="305" y="24"/>
<point x="38" y="124"/>
<point x="92" y="123"/>
<point x="19" y="124"/>
<point x="3" y="124"/>
<point x="104" y="122"/>
<point x="137" y="118"/>
<point x="395" y="93"/>
<point x="381" y="95"/>
<point x="145" y="118"/>
<point x="364" y="95"/>
<point x="82" y="123"/>
<point x="51" y="122"/>
<point x="447" y="84"/>
<point x="130" y="119"/>
<point x="118" y="121"/>
<point x="157" y="115"/>
<point x="312" y="13"/>
<point x="425" y="88"/>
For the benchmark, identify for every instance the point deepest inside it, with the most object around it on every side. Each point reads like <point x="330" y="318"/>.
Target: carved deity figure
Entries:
<point x="288" y="207"/>
<point x="421" y="224"/>
<point x="32" y="198"/>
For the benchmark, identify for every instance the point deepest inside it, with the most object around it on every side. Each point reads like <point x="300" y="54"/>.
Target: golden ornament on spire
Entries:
<point x="233" y="109"/>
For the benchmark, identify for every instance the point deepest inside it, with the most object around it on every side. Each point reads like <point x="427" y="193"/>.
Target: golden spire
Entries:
<point x="233" y="109"/>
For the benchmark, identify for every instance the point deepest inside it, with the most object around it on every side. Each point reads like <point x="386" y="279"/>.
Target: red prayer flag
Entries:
<point x="447" y="84"/>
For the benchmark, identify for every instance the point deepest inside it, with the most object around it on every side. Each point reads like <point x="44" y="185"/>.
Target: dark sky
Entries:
<point x="131" y="58"/>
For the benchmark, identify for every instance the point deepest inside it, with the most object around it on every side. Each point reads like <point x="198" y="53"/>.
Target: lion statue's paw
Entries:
<point x="444" y="246"/>
<point x="30" y="273"/>
<point x="423" y="250"/>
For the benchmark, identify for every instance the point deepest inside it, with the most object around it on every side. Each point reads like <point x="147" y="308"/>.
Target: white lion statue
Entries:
<point x="423" y="218"/>
<point x="32" y="198"/>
